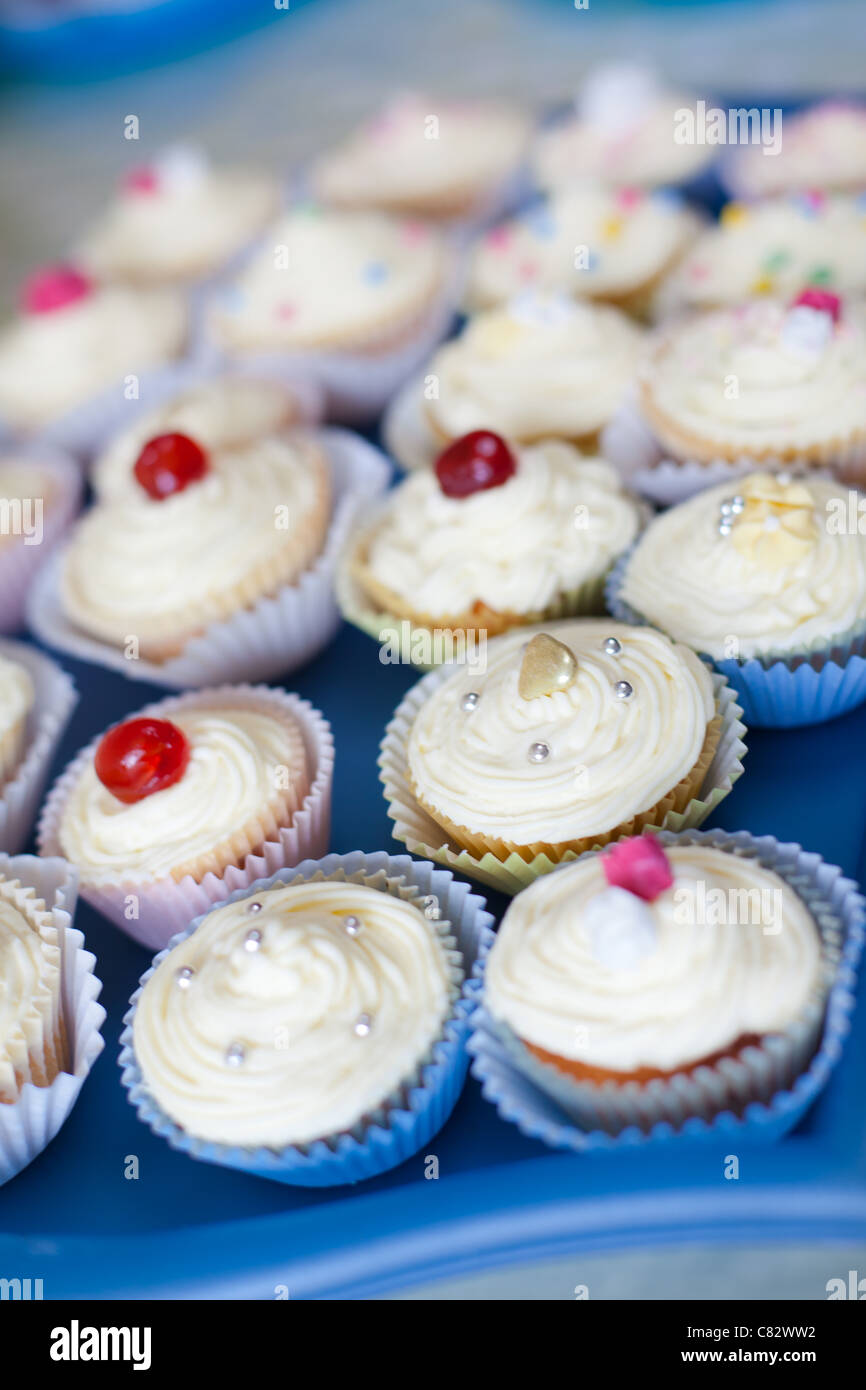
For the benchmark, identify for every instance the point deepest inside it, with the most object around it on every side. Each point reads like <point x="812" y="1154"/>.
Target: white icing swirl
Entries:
<point x="16" y="701"/>
<point x="748" y="600"/>
<point x="823" y="148"/>
<point x="180" y="229"/>
<point x="542" y="366"/>
<point x="730" y="382"/>
<point x="330" y="279"/>
<point x="252" y="524"/>
<point x="737" y="953"/>
<point x="424" y="155"/>
<point x="584" y="241"/>
<point x="609" y="758"/>
<point x="246" y="764"/>
<point x="640" y="149"/>
<point x="293" y="1005"/>
<point x="52" y="362"/>
<point x="558" y="521"/>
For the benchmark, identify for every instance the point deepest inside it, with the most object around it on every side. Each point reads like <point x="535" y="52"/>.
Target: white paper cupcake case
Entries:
<point x="165" y="906"/>
<point x="423" y="836"/>
<point x="55" y="699"/>
<point x="759" y="1096"/>
<point x="409" y="1119"/>
<point x="20" y="563"/>
<point x="28" y="1125"/>
<point x="271" y="639"/>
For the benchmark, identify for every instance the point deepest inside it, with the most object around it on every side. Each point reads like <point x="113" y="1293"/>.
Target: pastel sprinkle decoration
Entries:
<point x="527" y="270"/>
<point x="286" y="312"/>
<point x="763" y="285"/>
<point x="777" y="260"/>
<point x="414" y="232"/>
<point x="820" y="275"/>
<point x="628" y="198"/>
<point x="541" y="224"/>
<point x="498" y="238"/>
<point x="54" y="287"/>
<point x="699" y="270"/>
<point x="733" y="215"/>
<point x="141" y="180"/>
<point x="640" y="866"/>
<point x="374" y="273"/>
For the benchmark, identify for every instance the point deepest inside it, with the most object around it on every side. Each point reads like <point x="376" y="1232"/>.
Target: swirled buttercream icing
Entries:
<point x="177" y="219"/>
<point x="224" y="413"/>
<point x="609" y="755"/>
<point x="823" y="148"/>
<point x="331" y="280"/>
<point x="762" y="567"/>
<point x="246" y="773"/>
<point x="424" y="156"/>
<point x="631" y="147"/>
<point x="160" y="571"/>
<point x="306" y="1034"/>
<point x="542" y="366"/>
<point x="52" y="362"/>
<point x="749" y="382"/>
<point x="31" y="1048"/>
<point x="736" y="953"/>
<point x="558" y="521"/>
<point x="16" y="701"/>
<point x="586" y="241"/>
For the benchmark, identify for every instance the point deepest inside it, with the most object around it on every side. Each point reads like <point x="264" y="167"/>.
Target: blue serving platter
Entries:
<point x="183" y="1229"/>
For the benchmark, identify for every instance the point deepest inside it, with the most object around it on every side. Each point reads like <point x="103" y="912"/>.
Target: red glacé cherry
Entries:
<point x="474" y="462"/>
<point x="140" y="757"/>
<point x="169" y="463"/>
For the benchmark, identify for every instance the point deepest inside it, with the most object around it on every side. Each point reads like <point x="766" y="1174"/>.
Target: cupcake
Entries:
<point x="36" y="701"/>
<point x="49" y="1018"/>
<point x="541" y="367"/>
<point x="592" y="242"/>
<point x="763" y="381"/>
<point x="772" y="248"/>
<point x="223" y="414"/>
<point x="74" y="340"/>
<point x="178" y="219"/>
<point x="587" y="731"/>
<point x="238" y="526"/>
<point x="178" y="806"/>
<point x="663" y="981"/>
<point x="769" y="583"/>
<point x="421" y="157"/>
<point x="312" y="1029"/>
<point x="17" y="697"/>
<point x="493" y="537"/>
<point x="823" y="147"/>
<point x="40" y="491"/>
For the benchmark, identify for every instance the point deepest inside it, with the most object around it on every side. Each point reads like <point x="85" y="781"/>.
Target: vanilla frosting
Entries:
<point x="736" y="953"/>
<point x="540" y="366"/>
<point x="163" y="570"/>
<point x="225" y="413"/>
<point x="584" y="241"/>
<point x="17" y="696"/>
<point x="738" y="381"/>
<point x="245" y="764"/>
<point x="324" y="1026"/>
<point x="824" y="147"/>
<point x="188" y="221"/>
<point x="558" y="521"/>
<point x="29" y="989"/>
<point x="774" y="248"/>
<point x="330" y="279"/>
<point x="424" y="155"/>
<point x="785" y="577"/>
<point x="52" y="362"/>
<point x="609" y="758"/>
<point x="640" y="150"/>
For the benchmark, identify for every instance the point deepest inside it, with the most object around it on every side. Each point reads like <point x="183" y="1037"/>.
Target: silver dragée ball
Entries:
<point x="538" y="752"/>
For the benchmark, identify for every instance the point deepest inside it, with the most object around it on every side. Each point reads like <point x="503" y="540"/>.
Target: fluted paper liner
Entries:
<point x="268" y="640"/>
<point x="761" y="1093"/>
<point x="19" y="563"/>
<point x="29" y="1124"/>
<point x="409" y="1118"/>
<point x="55" y="699"/>
<point x="165" y="906"/>
<point x="424" y="836"/>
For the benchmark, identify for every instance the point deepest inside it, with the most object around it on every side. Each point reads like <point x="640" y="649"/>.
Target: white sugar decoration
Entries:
<point x="621" y="929"/>
<point x="806" y="331"/>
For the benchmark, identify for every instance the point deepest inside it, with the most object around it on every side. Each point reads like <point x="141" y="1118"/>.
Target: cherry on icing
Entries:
<point x="822" y="300"/>
<point x="168" y="463"/>
<point x="639" y="865"/>
<point x="474" y="462"/>
<point x="54" y="287"/>
<point x="140" y="757"/>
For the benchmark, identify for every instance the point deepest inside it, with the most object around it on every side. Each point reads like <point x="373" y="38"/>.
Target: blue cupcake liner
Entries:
<point x="399" y="1131"/>
<point x="537" y="1114"/>
<point x="808" y="688"/>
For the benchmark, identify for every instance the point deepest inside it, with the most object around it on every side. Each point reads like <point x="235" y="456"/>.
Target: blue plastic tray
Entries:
<point x="186" y="1229"/>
